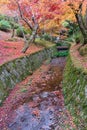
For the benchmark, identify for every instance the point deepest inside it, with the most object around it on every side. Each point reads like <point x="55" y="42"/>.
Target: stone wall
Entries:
<point x="75" y="92"/>
<point x="15" y="71"/>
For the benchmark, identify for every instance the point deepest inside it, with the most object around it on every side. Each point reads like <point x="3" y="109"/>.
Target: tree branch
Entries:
<point x="23" y="18"/>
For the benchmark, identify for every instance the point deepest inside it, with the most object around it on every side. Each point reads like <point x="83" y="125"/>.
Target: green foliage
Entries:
<point x="14" y="25"/>
<point x="63" y="43"/>
<point x="10" y="20"/>
<point x="71" y="26"/>
<point x="70" y="32"/>
<point x="5" y="26"/>
<point x="70" y="39"/>
<point x="62" y="53"/>
<point x="74" y="84"/>
<point x="53" y="39"/>
<point x="43" y="42"/>
<point x="75" y="38"/>
<point x="78" y="37"/>
<point x="83" y="50"/>
<point x="65" y="24"/>
<point x="2" y="17"/>
<point x="29" y="31"/>
<point x="20" y="31"/>
<point x="5" y="17"/>
<point x="46" y="36"/>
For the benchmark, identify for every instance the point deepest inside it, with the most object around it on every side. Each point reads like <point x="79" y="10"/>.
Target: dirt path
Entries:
<point x="37" y="103"/>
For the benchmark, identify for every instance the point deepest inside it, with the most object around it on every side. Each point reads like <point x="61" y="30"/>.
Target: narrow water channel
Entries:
<point x="45" y="109"/>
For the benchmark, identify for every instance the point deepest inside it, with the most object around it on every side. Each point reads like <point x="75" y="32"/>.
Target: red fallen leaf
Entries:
<point x="9" y="52"/>
<point x="36" y="113"/>
<point x="57" y="92"/>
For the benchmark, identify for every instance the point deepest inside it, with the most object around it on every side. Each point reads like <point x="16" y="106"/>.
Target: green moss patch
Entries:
<point x="15" y="71"/>
<point x="83" y="50"/>
<point x="74" y="88"/>
<point x="43" y="42"/>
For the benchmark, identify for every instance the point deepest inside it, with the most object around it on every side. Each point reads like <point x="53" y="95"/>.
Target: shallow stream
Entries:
<point x="45" y="109"/>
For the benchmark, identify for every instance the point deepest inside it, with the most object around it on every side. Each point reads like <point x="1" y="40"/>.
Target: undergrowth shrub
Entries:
<point x="49" y="37"/>
<point x="63" y="43"/>
<point x="5" y="25"/>
<point x="46" y="37"/>
<point x="43" y="42"/>
<point x="14" y="25"/>
<point x="83" y="50"/>
<point x="62" y="53"/>
<point x="20" y="31"/>
<point x="78" y="37"/>
<point x="2" y="17"/>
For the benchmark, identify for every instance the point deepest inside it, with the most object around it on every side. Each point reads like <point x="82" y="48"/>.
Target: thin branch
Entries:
<point x="23" y="18"/>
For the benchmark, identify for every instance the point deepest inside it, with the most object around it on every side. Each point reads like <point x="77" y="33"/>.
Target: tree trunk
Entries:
<point x="85" y="38"/>
<point x="82" y="27"/>
<point x="13" y="33"/>
<point x="86" y="18"/>
<point x="31" y="39"/>
<point x="13" y="30"/>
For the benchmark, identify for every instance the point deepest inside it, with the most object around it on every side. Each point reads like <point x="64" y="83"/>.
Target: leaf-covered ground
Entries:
<point x="37" y="103"/>
<point x="80" y="61"/>
<point x="10" y="50"/>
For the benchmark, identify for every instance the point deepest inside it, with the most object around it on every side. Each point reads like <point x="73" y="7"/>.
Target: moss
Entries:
<point x="15" y="71"/>
<point x="20" y="31"/>
<point x="83" y="50"/>
<point x="43" y="42"/>
<point x="3" y="92"/>
<point x="74" y="91"/>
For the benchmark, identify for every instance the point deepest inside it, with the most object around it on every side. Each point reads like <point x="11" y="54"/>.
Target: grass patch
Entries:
<point x="83" y="50"/>
<point x="43" y="42"/>
<point x="63" y="43"/>
<point x="74" y="83"/>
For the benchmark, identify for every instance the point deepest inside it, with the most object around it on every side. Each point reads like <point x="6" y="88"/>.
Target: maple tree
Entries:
<point x="35" y="12"/>
<point x="79" y="8"/>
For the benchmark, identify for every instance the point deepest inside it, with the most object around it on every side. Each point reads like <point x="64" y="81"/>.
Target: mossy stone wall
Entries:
<point x="15" y="71"/>
<point x="75" y="93"/>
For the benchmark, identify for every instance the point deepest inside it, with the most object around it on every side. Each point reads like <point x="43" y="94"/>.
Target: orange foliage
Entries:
<point x="3" y="6"/>
<point x="46" y="12"/>
<point x="50" y="14"/>
<point x="69" y="4"/>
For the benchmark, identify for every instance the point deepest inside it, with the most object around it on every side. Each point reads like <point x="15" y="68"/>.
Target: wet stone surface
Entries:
<point x="45" y="108"/>
<point x="39" y="114"/>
